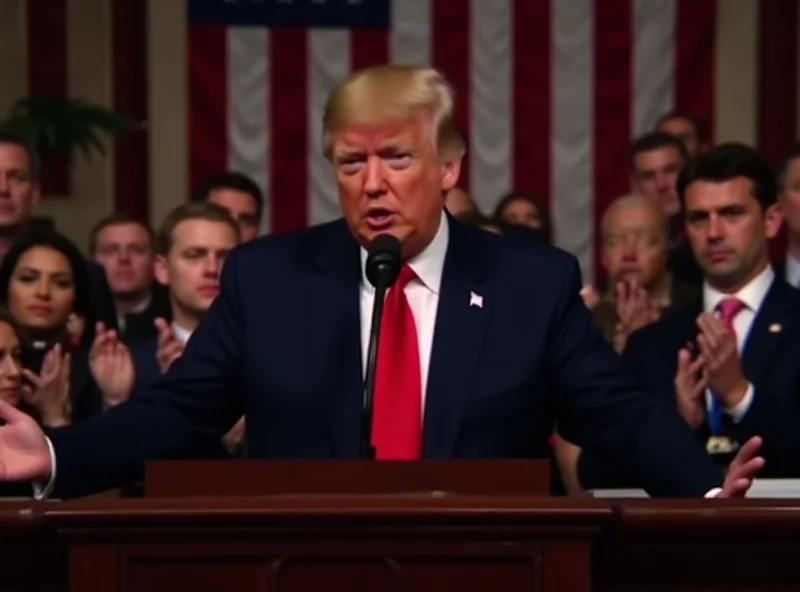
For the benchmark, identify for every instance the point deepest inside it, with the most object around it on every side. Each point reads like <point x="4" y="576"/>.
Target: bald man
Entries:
<point x="634" y="256"/>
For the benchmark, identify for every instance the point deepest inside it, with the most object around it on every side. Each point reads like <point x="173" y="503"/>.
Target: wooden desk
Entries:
<point x="394" y="542"/>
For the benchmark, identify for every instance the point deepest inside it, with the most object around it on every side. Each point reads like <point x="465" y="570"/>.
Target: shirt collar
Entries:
<point x="428" y="265"/>
<point x="752" y="295"/>
<point x="180" y="333"/>
<point x="792" y="270"/>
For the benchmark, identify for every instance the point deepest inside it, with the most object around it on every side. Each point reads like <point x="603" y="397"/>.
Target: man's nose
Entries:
<point x="373" y="184"/>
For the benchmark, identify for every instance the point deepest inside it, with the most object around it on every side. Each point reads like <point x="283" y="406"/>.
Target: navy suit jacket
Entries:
<point x="145" y="364"/>
<point x="770" y="361"/>
<point x="282" y="345"/>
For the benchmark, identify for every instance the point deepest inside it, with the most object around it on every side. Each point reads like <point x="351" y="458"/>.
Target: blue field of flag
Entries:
<point x="322" y="14"/>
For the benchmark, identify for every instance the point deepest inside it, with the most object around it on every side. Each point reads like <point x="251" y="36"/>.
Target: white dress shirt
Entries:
<point x="423" y="298"/>
<point x="180" y="333"/>
<point x="792" y="271"/>
<point x="752" y="296"/>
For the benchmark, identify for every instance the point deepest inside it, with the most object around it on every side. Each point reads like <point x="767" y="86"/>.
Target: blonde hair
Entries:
<point x="389" y="93"/>
<point x="632" y="200"/>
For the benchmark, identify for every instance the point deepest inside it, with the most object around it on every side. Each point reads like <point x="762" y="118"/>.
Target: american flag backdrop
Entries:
<point x="549" y="92"/>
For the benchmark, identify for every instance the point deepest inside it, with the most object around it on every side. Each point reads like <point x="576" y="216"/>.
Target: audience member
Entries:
<point x="656" y="159"/>
<point x="124" y="246"/>
<point x="43" y="281"/>
<point x="687" y="128"/>
<point x="788" y="178"/>
<point x="634" y="257"/>
<point x="524" y="210"/>
<point x="459" y="203"/>
<point x="239" y="195"/>
<point x="728" y="361"/>
<point x="191" y="246"/>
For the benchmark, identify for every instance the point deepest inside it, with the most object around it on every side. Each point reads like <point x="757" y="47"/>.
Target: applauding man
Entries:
<point x="634" y="255"/>
<point x="729" y="361"/>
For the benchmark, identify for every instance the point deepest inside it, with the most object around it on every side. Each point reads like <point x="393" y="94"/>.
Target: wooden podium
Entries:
<point x="334" y="525"/>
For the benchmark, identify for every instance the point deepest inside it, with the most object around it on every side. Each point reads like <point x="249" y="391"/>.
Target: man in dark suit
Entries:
<point x="788" y="176"/>
<point x="481" y="352"/>
<point x="690" y="359"/>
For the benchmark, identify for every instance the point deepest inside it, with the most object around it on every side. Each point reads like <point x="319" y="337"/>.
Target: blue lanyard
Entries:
<point x="715" y="416"/>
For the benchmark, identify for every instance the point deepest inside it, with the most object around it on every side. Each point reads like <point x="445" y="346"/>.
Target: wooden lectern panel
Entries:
<point x="296" y="543"/>
<point x="362" y="477"/>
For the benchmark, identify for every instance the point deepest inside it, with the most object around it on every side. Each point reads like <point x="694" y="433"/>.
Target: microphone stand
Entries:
<point x="367" y="449"/>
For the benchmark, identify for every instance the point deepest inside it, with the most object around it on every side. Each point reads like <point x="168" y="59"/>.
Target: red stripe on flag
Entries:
<point x="695" y="28"/>
<point x="208" y="105"/>
<point x="613" y="95"/>
<point x="452" y="55"/>
<point x="531" y="93"/>
<point x="129" y="75"/>
<point x="368" y="47"/>
<point x="288" y="87"/>
<point x="47" y="75"/>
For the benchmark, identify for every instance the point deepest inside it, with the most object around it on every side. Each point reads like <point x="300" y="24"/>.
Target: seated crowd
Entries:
<point x="66" y="354"/>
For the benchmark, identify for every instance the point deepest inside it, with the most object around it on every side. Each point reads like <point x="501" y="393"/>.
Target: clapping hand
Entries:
<point x="48" y="391"/>
<point x="726" y="381"/>
<point x="112" y="366"/>
<point x="690" y="384"/>
<point x="742" y="470"/>
<point x="168" y="347"/>
<point x="634" y="311"/>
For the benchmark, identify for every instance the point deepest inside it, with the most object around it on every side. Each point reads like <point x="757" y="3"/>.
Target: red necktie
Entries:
<point x="397" y="405"/>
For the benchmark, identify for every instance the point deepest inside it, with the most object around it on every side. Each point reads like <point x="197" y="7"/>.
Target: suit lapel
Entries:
<point x="334" y="332"/>
<point x="461" y="320"/>
<point x="772" y="322"/>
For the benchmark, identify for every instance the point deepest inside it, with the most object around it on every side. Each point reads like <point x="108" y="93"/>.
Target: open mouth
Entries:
<point x="379" y="218"/>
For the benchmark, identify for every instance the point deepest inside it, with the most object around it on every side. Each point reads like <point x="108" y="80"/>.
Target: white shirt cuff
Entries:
<point x="42" y="493"/>
<point x="712" y="493"/>
<point x="740" y="409"/>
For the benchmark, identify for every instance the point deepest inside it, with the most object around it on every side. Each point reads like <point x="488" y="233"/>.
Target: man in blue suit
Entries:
<point x="493" y="337"/>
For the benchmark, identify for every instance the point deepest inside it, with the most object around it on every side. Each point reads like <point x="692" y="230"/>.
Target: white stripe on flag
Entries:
<point x="248" y="108"/>
<point x="411" y="32"/>
<point x="653" y="61"/>
<point x="329" y="53"/>
<point x="573" y="92"/>
<point x="490" y="127"/>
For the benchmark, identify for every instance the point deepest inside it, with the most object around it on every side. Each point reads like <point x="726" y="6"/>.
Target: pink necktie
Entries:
<point x="728" y="309"/>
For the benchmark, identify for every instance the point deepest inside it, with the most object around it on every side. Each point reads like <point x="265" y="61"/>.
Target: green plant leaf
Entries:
<point x="64" y="126"/>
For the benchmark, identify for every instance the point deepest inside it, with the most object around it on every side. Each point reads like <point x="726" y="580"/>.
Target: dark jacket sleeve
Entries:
<point x="601" y="408"/>
<point x="102" y="299"/>
<point x="184" y="414"/>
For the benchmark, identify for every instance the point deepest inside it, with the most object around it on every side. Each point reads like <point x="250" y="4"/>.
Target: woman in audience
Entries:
<point x="43" y="283"/>
<point x="45" y="396"/>
<point x="520" y="209"/>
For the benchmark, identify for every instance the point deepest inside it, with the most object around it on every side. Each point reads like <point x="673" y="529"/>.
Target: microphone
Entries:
<point x="382" y="270"/>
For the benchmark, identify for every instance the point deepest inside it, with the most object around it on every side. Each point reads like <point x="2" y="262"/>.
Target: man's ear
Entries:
<point x="451" y="171"/>
<point x="160" y="270"/>
<point x="773" y="219"/>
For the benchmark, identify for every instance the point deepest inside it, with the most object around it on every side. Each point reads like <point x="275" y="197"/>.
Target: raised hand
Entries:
<point x="111" y="365"/>
<point x="690" y="385"/>
<point x="168" y="347"/>
<point x="634" y="311"/>
<point x="590" y="295"/>
<point x="48" y="391"/>
<point x="726" y="381"/>
<point x="24" y="453"/>
<point x="743" y="469"/>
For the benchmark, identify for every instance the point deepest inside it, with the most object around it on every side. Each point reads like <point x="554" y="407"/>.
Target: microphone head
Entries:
<point x="384" y="260"/>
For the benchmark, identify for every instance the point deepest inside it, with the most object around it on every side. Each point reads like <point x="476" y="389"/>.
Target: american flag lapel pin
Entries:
<point x="475" y="300"/>
<point x="775" y="328"/>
